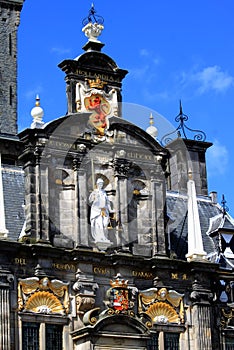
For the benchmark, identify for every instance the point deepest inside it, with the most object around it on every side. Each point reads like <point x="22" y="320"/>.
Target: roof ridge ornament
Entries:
<point x="225" y="208"/>
<point x="92" y="17"/>
<point x="180" y="131"/>
<point x="93" y="25"/>
<point x="37" y="114"/>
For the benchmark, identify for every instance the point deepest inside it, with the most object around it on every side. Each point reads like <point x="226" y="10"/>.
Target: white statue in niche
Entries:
<point x="99" y="216"/>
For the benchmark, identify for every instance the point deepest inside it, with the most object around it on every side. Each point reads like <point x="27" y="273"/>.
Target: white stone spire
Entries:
<point x="3" y="230"/>
<point x="195" y="244"/>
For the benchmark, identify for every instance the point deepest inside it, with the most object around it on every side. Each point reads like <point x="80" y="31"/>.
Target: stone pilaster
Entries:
<point x="80" y="178"/>
<point x="202" y="327"/>
<point x="82" y="196"/>
<point x="202" y="297"/>
<point x="36" y="195"/>
<point x="158" y="191"/>
<point x="3" y="230"/>
<point x="121" y="167"/>
<point x="30" y="199"/>
<point x="76" y="164"/>
<point x="5" y="280"/>
<point x="42" y="227"/>
<point x="44" y="198"/>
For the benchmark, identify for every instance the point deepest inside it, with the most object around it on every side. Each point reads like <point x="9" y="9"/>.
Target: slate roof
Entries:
<point x="220" y="221"/>
<point x="13" y="187"/>
<point x="178" y="223"/>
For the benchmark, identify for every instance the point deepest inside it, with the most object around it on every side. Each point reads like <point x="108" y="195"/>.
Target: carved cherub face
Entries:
<point x="162" y="293"/>
<point x="44" y="282"/>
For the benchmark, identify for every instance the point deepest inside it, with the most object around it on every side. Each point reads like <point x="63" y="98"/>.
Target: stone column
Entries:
<point x="5" y="279"/>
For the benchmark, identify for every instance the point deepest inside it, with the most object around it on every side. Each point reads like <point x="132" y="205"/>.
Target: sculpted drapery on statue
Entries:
<point x="100" y="209"/>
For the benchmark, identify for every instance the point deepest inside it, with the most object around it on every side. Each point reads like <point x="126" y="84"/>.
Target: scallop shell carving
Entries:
<point x="44" y="302"/>
<point x="162" y="313"/>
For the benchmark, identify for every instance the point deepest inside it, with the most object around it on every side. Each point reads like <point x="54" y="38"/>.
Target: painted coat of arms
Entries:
<point x="100" y="108"/>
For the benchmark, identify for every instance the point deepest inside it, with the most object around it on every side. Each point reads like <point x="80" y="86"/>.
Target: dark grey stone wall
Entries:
<point x="9" y="21"/>
<point x="13" y="187"/>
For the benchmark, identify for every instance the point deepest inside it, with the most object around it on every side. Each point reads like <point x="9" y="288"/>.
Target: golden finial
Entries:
<point x="37" y="103"/>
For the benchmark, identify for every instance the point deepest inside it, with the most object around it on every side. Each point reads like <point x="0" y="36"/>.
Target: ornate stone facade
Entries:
<point x="61" y="287"/>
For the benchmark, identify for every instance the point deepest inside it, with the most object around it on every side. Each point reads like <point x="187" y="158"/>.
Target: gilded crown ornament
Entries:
<point x="118" y="281"/>
<point x="98" y="83"/>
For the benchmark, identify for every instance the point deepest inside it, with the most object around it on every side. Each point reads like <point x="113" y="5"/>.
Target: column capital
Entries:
<point x="6" y="278"/>
<point x="121" y="167"/>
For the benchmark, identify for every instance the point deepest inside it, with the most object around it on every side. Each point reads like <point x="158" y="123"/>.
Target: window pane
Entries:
<point x="229" y="343"/>
<point x="54" y="337"/>
<point x="153" y="343"/>
<point x="171" y="341"/>
<point x="30" y="336"/>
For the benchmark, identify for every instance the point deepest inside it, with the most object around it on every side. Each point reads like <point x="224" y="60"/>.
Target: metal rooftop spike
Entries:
<point x="181" y="130"/>
<point x="93" y="17"/>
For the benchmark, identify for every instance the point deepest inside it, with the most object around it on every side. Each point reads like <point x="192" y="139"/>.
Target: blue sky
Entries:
<point x="172" y="49"/>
